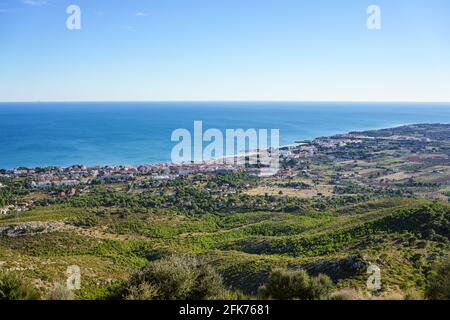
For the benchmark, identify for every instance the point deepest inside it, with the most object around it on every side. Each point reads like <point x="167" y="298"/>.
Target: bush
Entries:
<point x="320" y="287"/>
<point x="236" y="295"/>
<point x="174" y="278"/>
<point x="12" y="287"/>
<point x="438" y="287"/>
<point x="290" y="285"/>
<point x="346" y="294"/>
<point x="60" y="292"/>
<point x="141" y="291"/>
<point x="412" y="294"/>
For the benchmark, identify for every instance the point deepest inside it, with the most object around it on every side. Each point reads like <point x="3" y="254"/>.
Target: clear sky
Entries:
<point x="225" y="50"/>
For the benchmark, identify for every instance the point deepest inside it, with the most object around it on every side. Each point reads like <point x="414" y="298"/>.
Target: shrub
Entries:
<point x="141" y="291"/>
<point x="289" y="285"/>
<point x="346" y="294"/>
<point x="438" y="287"/>
<point x="413" y="294"/>
<point x="174" y="278"/>
<point x="320" y="287"/>
<point x="235" y="295"/>
<point x="60" y="292"/>
<point x="12" y="287"/>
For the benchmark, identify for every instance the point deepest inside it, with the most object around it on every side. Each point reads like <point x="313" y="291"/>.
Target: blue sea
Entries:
<point x="63" y="134"/>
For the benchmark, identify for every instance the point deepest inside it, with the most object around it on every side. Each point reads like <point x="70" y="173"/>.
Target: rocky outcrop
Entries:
<point x="347" y="267"/>
<point x="31" y="228"/>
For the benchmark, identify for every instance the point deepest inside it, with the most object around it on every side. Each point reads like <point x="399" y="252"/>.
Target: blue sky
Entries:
<point x="225" y="50"/>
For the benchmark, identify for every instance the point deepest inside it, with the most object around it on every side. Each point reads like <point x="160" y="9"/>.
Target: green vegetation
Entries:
<point x="381" y="200"/>
<point x="174" y="278"/>
<point x="439" y="281"/>
<point x="12" y="287"/>
<point x="60" y="292"/>
<point x="290" y="285"/>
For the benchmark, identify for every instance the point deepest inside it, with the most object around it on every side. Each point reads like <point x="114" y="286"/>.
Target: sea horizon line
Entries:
<point x="227" y="101"/>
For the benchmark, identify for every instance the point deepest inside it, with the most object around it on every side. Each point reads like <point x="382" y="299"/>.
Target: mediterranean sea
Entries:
<point x="126" y="133"/>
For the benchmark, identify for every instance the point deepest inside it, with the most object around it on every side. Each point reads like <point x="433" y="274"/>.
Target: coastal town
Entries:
<point x="396" y="159"/>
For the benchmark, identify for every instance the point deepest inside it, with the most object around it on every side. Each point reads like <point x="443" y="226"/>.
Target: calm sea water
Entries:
<point x="42" y="134"/>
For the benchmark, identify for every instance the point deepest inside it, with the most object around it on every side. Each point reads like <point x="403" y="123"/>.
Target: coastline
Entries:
<point x="40" y="134"/>
<point x="224" y="160"/>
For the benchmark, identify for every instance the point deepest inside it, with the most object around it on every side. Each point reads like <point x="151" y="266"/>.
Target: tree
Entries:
<point x="290" y="285"/>
<point x="174" y="278"/>
<point x="438" y="287"/>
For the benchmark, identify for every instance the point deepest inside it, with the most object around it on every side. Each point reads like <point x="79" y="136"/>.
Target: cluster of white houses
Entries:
<point x="42" y="178"/>
<point x="75" y="175"/>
